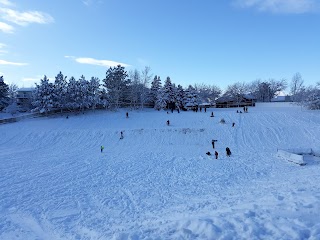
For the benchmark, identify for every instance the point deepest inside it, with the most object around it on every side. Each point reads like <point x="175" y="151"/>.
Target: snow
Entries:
<point x="157" y="182"/>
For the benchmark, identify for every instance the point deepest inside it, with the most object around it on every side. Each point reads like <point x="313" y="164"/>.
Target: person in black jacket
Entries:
<point x="228" y="152"/>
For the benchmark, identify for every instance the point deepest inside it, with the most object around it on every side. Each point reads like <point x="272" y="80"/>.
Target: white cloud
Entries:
<point x="4" y="62"/>
<point x="87" y="2"/>
<point x="280" y="6"/>
<point x="103" y="63"/>
<point x="6" y="3"/>
<point x="6" y="28"/>
<point x="25" y="18"/>
<point x="91" y="2"/>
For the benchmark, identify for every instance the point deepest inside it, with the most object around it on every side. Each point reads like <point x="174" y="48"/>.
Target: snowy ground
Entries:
<point x="157" y="182"/>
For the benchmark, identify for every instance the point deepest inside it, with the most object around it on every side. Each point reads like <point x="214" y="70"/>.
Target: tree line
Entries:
<point x="122" y="89"/>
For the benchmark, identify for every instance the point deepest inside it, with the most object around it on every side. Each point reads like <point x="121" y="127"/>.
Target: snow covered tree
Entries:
<point x="168" y="91"/>
<point x="60" y="91"/>
<point x="155" y="88"/>
<point x="264" y="91"/>
<point x="4" y="94"/>
<point x="12" y="92"/>
<point x="145" y="79"/>
<point x="311" y="97"/>
<point x="296" y="87"/>
<point x="179" y="96"/>
<point x="83" y="93"/>
<point x="236" y="91"/>
<point x="161" y="102"/>
<point x="104" y="98"/>
<point x="134" y="88"/>
<point x="43" y="96"/>
<point x="276" y="86"/>
<point x="93" y="92"/>
<point x="73" y="95"/>
<point x="191" y="99"/>
<point x="207" y="93"/>
<point x="116" y="83"/>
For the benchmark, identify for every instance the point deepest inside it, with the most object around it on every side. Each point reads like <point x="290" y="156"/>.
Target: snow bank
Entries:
<point x="277" y="105"/>
<point x="299" y="155"/>
<point x="289" y="156"/>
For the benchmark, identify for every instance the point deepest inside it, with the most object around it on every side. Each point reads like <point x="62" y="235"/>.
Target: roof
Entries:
<point x="225" y="99"/>
<point x="25" y="90"/>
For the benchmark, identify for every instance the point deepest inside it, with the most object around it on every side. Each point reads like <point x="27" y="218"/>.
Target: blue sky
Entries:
<point x="193" y="41"/>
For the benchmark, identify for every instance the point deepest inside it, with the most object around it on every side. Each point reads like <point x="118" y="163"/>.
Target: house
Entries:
<point x="281" y="99"/>
<point x="228" y="101"/>
<point x="24" y="98"/>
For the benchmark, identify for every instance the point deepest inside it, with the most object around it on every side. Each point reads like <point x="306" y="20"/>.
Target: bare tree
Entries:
<point x="146" y="77"/>
<point x="237" y="90"/>
<point x="296" y="87"/>
<point x="134" y="88"/>
<point x="276" y="86"/>
<point x="207" y="93"/>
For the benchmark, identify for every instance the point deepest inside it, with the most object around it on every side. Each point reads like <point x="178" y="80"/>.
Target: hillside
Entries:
<point x="157" y="182"/>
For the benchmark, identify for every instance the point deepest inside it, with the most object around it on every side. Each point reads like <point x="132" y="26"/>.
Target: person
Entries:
<point x="211" y="114"/>
<point x="121" y="135"/>
<point x="216" y="154"/>
<point x="208" y="153"/>
<point x="168" y="122"/>
<point x="102" y="148"/>
<point x="228" y="151"/>
<point x="127" y="114"/>
<point x="233" y="124"/>
<point x="212" y="142"/>
<point x="205" y="109"/>
<point x="237" y="111"/>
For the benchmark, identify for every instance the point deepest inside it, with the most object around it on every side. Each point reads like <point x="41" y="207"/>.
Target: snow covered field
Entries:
<point x="157" y="182"/>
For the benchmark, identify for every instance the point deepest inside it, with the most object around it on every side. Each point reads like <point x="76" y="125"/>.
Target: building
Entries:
<point x="229" y="102"/>
<point x="281" y="99"/>
<point x="24" y="98"/>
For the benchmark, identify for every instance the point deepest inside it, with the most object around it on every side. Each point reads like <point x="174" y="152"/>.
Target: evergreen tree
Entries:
<point x="116" y="83"/>
<point x="191" y="97"/>
<point x="168" y="91"/>
<point x="94" y="92"/>
<point x="83" y="93"/>
<point x="4" y="94"/>
<point x="155" y="88"/>
<point x="180" y="96"/>
<point x="60" y="91"/>
<point x="104" y="98"/>
<point x="161" y="102"/>
<point x="73" y="95"/>
<point x="43" y="96"/>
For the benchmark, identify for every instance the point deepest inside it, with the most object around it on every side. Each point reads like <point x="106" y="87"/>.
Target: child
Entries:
<point x="216" y="154"/>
